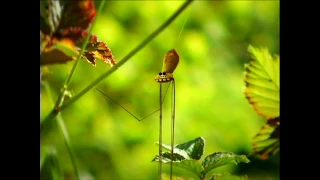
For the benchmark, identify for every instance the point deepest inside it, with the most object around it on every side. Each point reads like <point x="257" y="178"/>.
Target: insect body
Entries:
<point x="170" y="62"/>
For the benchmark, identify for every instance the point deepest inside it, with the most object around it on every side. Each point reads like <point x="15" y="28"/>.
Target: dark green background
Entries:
<point x="110" y="144"/>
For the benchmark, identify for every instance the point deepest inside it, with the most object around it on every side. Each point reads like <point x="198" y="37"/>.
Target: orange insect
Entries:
<point x="170" y="62"/>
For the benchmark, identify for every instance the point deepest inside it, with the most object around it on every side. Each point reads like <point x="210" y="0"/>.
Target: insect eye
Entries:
<point x="164" y="73"/>
<point x="160" y="73"/>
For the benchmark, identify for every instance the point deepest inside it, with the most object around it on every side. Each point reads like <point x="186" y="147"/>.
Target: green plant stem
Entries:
<point x="68" y="144"/>
<point x="68" y="79"/>
<point x="64" y="133"/>
<point x="122" y="61"/>
<point x="62" y="95"/>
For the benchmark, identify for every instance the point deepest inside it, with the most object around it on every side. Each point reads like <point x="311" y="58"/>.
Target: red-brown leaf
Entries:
<point x="98" y="50"/>
<point x="77" y="35"/>
<point x="77" y="13"/>
<point x="58" y="52"/>
<point x="56" y="16"/>
<point x="54" y="56"/>
<point x="70" y="25"/>
<point x="94" y="49"/>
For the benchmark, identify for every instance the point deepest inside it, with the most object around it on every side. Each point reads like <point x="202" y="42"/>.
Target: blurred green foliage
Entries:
<point x="109" y="143"/>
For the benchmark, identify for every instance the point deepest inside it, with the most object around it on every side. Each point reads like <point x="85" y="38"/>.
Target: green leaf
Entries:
<point x="166" y="157"/>
<point x="175" y="177"/>
<point x="218" y="159"/>
<point x="262" y="78"/>
<point x="227" y="176"/>
<point x="194" y="148"/>
<point x="186" y="155"/>
<point x="190" y="150"/>
<point x="191" y="165"/>
<point x="180" y="161"/>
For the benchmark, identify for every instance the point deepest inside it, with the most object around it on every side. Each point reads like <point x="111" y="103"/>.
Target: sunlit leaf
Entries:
<point x="262" y="79"/>
<point x="218" y="159"/>
<point x="263" y="82"/>
<point x="267" y="142"/>
<point x="96" y="49"/>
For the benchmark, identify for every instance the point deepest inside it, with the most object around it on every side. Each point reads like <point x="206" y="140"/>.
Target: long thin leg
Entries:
<point x="173" y="104"/>
<point x="129" y="111"/>
<point x="160" y="136"/>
